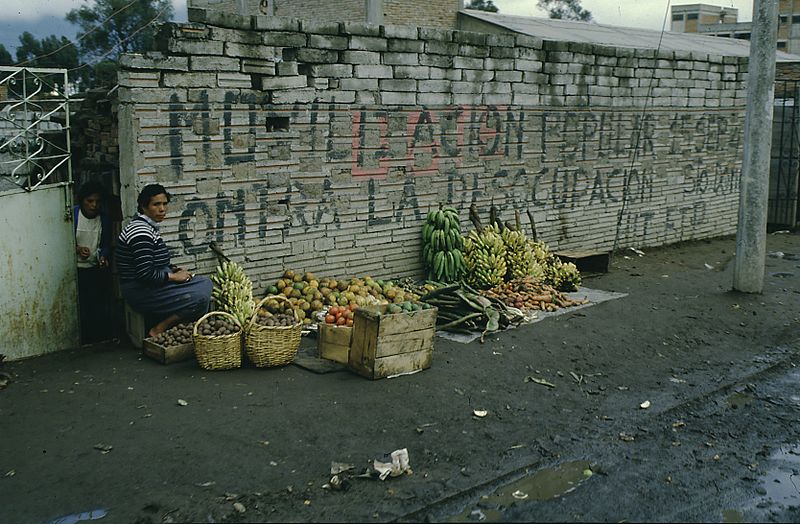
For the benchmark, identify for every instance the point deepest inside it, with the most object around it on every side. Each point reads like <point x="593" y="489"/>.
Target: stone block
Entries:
<point x="477" y="75"/>
<point x="154" y="61"/>
<point x="331" y="70"/>
<point x="276" y="23"/>
<point x="438" y="73"/>
<point x="442" y="61"/>
<point x="502" y="52"/>
<point x="373" y="71"/>
<point x="193" y="47"/>
<point x="407" y="59"/>
<point x="495" y="88"/>
<point x="214" y="63"/>
<point x="152" y="96"/>
<point x="431" y="33"/>
<point x="532" y="65"/>
<point x="417" y="73"/>
<point x="366" y="43"/>
<point x="406" y="46"/>
<point x="287" y="68"/>
<point x="284" y="39"/>
<point x="407" y="32"/>
<point x="525" y="99"/>
<point x="508" y="76"/>
<point x="500" y="40"/>
<point x="139" y="79"/>
<point x="359" y="84"/>
<point x="461" y="62"/>
<point x="189" y="79"/>
<point x="499" y="64"/>
<point x="361" y="57"/>
<point x="473" y="51"/>
<point x="303" y="95"/>
<point x="261" y="67"/>
<point x="238" y="80"/>
<point x="338" y="96"/>
<point x="311" y="56"/>
<point x="406" y="84"/>
<point x="320" y="27"/>
<point x="466" y="87"/>
<point x="434" y="99"/>
<point x="394" y="98"/>
<point x="249" y="51"/>
<point x="266" y="83"/>
<point x="497" y="99"/>
<point x="531" y="42"/>
<point x="327" y="42"/>
<point x="360" y="29"/>
<point x="437" y="47"/>
<point x="236" y="36"/>
<point x="434" y="86"/>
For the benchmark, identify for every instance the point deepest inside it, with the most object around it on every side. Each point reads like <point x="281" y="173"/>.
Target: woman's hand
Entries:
<point x="83" y="252"/>
<point x="103" y="261"/>
<point x="180" y="276"/>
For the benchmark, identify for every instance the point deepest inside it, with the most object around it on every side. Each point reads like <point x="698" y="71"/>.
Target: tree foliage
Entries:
<point x="482" y="5"/>
<point x="565" y="9"/>
<point x="5" y="56"/>
<point x="105" y="35"/>
<point x="51" y="51"/>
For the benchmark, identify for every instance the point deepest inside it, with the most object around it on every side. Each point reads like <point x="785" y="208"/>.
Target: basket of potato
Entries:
<point x="272" y="339"/>
<point x="218" y="341"/>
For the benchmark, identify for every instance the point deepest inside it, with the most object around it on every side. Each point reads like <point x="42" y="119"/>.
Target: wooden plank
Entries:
<point x="362" y="347"/>
<point x="335" y="352"/>
<point x="407" y="322"/>
<point x="388" y="345"/>
<point x="334" y="342"/>
<point x="403" y="363"/>
<point x="168" y="355"/>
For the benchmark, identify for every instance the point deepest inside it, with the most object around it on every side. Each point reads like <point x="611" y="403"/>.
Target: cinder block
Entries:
<point x="361" y="57"/>
<point x="154" y="61"/>
<point x="266" y="83"/>
<point x="435" y="99"/>
<point x="406" y="46"/>
<point x="461" y="62"/>
<point x="327" y="42"/>
<point x="249" y="51"/>
<point x="398" y="98"/>
<point x="398" y="84"/>
<point x="373" y="71"/>
<point x="284" y="39"/>
<point x="366" y="43"/>
<point x="213" y="63"/>
<point x="408" y="32"/>
<point x="407" y="59"/>
<point x="417" y="73"/>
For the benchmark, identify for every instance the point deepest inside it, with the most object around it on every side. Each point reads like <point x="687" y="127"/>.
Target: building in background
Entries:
<point x="723" y="22"/>
<point x="424" y="13"/>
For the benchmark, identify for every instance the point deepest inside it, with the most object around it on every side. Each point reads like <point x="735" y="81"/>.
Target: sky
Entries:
<point x="45" y="17"/>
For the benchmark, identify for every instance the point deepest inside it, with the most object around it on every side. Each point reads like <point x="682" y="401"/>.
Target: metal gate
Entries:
<point x="783" y="208"/>
<point x="38" y="294"/>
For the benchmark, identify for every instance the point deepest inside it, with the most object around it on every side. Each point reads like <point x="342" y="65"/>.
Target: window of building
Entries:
<point x="691" y="16"/>
<point x="781" y="45"/>
<point x="677" y="18"/>
<point x="796" y="19"/>
<point x="783" y="19"/>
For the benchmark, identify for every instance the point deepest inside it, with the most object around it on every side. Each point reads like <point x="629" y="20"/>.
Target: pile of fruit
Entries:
<point x="276" y="320"/>
<point x="341" y="315"/>
<point x="216" y="326"/>
<point x="174" y="336"/>
<point x="441" y="246"/>
<point x="530" y="293"/>
<point x="406" y="307"/>
<point x="485" y="254"/>
<point x="308" y="295"/>
<point x="233" y="291"/>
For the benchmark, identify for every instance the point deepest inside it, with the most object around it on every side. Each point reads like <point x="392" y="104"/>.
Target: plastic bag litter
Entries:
<point x="396" y="467"/>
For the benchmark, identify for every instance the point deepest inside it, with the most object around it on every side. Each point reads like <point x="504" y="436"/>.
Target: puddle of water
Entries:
<point x="94" y="514"/>
<point x="544" y="484"/>
<point x="732" y="515"/>
<point x="739" y="400"/>
<point x="782" y="481"/>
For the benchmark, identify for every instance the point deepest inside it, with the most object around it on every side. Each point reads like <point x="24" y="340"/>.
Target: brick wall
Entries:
<point x="338" y="10"/>
<point x="329" y="159"/>
<point x="425" y="13"/>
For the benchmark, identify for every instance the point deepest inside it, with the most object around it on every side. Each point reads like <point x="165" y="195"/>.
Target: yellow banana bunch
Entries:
<point x="485" y="257"/>
<point x="233" y="291"/>
<point x="520" y="259"/>
<point x="562" y="276"/>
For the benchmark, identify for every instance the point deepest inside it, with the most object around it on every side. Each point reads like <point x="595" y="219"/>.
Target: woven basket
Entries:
<point x="268" y="346"/>
<point x="218" y="352"/>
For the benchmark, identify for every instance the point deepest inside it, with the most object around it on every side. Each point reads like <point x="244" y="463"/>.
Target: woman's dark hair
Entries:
<point x="90" y="188"/>
<point x="148" y="192"/>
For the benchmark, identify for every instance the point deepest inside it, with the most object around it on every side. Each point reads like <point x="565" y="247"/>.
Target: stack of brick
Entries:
<point x="321" y="146"/>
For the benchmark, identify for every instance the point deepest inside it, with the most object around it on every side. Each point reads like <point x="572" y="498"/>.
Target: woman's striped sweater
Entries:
<point x="142" y="255"/>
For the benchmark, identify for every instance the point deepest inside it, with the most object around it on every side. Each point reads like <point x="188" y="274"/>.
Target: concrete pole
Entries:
<point x="751" y="233"/>
<point x="374" y="11"/>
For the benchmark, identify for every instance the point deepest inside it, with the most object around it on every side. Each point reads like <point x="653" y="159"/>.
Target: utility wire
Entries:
<point x="627" y="182"/>
<point x="113" y="48"/>
<point x="84" y="35"/>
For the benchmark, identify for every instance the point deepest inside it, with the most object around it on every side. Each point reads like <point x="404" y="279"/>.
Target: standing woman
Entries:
<point x="92" y="228"/>
<point x="149" y="283"/>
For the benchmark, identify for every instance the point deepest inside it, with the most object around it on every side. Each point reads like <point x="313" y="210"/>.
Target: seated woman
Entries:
<point x="148" y="282"/>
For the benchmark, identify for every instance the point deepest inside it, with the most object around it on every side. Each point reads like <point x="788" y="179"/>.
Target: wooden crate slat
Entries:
<point x="395" y="345"/>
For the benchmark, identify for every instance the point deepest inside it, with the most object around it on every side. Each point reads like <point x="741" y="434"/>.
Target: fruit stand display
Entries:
<point x="173" y="345"/>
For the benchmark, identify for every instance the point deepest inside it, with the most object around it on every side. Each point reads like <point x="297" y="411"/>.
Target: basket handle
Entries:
<point x="212" y="313"/>
<point x="261" y="303"/>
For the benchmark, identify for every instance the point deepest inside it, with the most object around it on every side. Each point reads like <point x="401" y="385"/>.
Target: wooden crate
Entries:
<point x="333" y="342"/>
<point x="385" y="345"/>
<point x="168" y="355"/>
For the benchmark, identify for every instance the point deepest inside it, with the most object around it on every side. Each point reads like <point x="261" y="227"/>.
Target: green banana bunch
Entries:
<point x="442" y="243"/>
<point x="485" y="257"/>
<point x="233" y="291"/>
<point x="520" y="260"/>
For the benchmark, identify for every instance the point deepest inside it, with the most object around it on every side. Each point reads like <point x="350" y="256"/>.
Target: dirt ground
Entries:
<point x="716" y="366"/>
